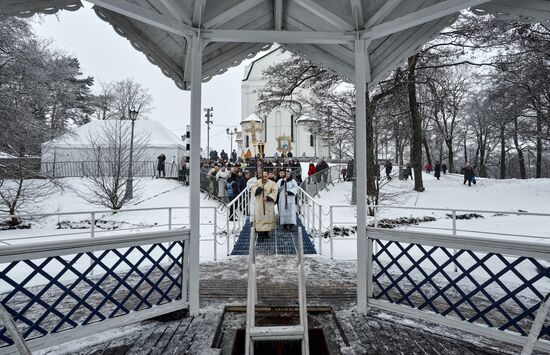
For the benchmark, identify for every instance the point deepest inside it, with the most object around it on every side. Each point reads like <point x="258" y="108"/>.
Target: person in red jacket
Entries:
<point x="311" y="171"/>
<point x="428" y="168"/>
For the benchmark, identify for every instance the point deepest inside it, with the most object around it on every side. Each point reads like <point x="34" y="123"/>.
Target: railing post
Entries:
<point x="454" y="234"/>
<point x="227" y="229"/>
<point x="536" y="327"/>
<point x="13" y="332"/>
<point x="92" y="224"/>
<point x="331" y="229"/>
<point x="92" y="234"/>
<point x="185" y="271"/>
<point x="215" y="233"/>
<point x="320" y="230"/>
<point x="370" y="263"/>
<point x="169" y="218"/>
<point x="375" y="246"/>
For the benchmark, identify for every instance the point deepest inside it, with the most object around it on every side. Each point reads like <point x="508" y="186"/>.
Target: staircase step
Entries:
<point x="279" y="242"/>
<point x="293" y="332"/>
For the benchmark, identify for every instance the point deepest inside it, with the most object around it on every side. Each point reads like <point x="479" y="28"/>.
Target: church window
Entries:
<point x="292" y="128"/>
<point x="247" y="141"/>
<point x="311" y="140"/>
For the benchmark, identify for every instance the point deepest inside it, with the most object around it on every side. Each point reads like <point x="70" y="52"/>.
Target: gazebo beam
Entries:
<point x="278" y="36"/>
<point x="278" y="14"/>
<point x="357" y="11"/>
<point x="419" y="17"/>
<point x="176" y="11"/>
<point x="149" y="17"/>
<point x="325" y="14"/>
<point x="198" y="11"/>
<point x="382" y="13"/>
<point x="233" y="12"/>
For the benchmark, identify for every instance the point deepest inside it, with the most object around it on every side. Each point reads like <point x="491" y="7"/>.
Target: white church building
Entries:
<point x="303" y="130"/>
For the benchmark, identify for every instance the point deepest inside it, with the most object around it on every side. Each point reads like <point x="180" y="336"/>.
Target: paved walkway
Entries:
<point x="224" y="283"/>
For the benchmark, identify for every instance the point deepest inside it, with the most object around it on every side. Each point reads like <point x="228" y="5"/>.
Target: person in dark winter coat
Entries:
<point x="437" y="170"/>
<point x="223" y="155"/>
<point x="408" y="172"/>
<point x="232" y="187"/>
<point x="233" y="156"/>
<point x="444" y="168"/>
<point x="469" y="174"/>
<point x="389" y="168"/>
<point x="214" y="155"/>
<point x="161" y="164"/>
<point x="349" y="170"/>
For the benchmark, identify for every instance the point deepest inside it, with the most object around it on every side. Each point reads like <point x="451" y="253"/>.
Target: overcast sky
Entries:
<point x="106" y="56"/>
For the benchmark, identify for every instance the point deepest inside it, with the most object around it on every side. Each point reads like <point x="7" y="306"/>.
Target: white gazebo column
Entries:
<point x="194" y="174"/>
<point x="361" y="171"/>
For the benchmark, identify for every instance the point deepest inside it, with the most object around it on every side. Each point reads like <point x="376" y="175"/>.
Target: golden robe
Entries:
<point x="264" y="219"/>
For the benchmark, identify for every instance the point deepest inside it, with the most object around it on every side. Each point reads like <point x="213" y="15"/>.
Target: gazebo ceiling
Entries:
<point x="322" y="30"/>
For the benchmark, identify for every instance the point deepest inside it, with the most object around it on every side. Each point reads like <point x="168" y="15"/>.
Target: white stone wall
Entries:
<point x="278" y="122"/>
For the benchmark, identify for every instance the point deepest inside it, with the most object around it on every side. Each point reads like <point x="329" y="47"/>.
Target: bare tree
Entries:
<point x="110" y="150"/>
<point x="127" y="95"/>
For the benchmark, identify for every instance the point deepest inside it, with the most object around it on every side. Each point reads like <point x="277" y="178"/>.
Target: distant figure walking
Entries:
<point x="161" y="165"/>
<point x="389" y="168"/>
<point x="469" y="174"/>
<point x="428" y="168"/>
<point x="408" y="172"/>
<point x="444" y="168"/>
<point x="437" y="170"/>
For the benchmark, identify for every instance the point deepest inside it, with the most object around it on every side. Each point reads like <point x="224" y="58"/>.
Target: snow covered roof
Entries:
<point x="306" y="118"/>
<point x="4" y="155"/>
<point x="158" y="135"/>
<point x="323" y="30"/>
<point x="252" y="118"/>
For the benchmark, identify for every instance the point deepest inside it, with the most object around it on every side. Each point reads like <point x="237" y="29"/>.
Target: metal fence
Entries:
<point x="107" y="168"/>
<point x="48" y="290"/>
<point x="493" y="293"/>
<point x="322" y="180"/>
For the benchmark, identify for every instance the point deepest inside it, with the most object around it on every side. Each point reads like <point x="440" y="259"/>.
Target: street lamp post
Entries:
<point x="208" y="122"/>
<point x="231" y="134"/>
<point x="133" y="113"/>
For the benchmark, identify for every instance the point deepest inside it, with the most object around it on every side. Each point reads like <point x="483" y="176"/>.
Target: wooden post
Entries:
<point x="194" y="174"/>
<point x="361" y="172"/>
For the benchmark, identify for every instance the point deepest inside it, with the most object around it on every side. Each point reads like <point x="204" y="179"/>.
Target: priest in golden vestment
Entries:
<point x="265" y="195"/>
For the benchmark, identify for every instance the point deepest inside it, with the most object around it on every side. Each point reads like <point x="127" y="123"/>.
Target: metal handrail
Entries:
<point x="448" y="209"/>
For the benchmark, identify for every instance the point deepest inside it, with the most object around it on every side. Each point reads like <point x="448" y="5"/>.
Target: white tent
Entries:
<point x="75" y="147"/>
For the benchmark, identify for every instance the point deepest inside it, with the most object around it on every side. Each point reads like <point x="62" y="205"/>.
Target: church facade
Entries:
<point x="281" y="127"/>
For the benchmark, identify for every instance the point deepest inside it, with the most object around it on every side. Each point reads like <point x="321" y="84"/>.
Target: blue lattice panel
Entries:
<point x="59" y="293"/>
<point x="280" y="241"/>
<point x="488" y="289"/>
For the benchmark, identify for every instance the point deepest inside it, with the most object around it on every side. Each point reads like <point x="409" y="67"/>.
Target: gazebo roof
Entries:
<point x="322" y="30"/>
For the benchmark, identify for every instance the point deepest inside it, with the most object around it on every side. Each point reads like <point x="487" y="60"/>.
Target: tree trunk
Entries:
<point x="466" y="150"/>
<point x="519" y="150"/>
<point x="502" y="153"/>
<point x="451" y="156"/>
<point x="427" y="149"/>
<point x="416" y="125"/>
<point x="538" y="173"/>
<point x="372" y="168"/>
